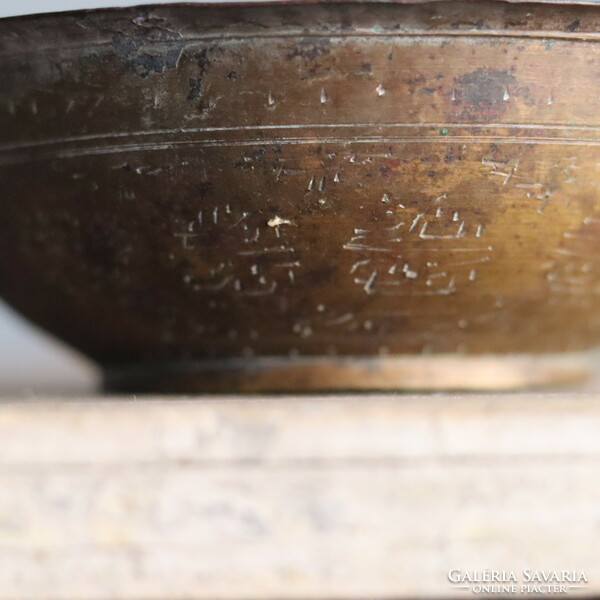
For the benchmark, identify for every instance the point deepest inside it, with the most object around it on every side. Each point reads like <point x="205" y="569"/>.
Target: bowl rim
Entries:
<point x="138" y="5"/>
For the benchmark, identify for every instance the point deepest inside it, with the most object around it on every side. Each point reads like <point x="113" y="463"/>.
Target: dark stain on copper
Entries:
<point x="195" y="83"/>
<point x="480" y="95"/>
<point x="310" y="48"/>
<point x="145" y="63"/>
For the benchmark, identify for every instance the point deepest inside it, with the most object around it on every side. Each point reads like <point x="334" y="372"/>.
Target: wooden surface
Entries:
<point x="337" y="497"/>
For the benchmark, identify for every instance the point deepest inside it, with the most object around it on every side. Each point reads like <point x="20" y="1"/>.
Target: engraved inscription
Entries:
<point x="265" y="260"/>
<point x="425" y="251"/>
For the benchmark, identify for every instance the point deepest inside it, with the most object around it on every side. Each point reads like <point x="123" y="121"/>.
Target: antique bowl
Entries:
<point x="307" y="196"/>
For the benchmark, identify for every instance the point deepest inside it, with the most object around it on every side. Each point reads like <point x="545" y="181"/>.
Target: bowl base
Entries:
<point x="442" y="372"/>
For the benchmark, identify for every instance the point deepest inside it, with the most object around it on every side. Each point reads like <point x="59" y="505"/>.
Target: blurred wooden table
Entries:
<point x="334" y="497"/>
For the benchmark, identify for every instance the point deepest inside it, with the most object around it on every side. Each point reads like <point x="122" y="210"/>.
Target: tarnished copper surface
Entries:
<point x="192" y="183"/>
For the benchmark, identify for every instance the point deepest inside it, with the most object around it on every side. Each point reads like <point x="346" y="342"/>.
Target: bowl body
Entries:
<point x="305" y="196"/>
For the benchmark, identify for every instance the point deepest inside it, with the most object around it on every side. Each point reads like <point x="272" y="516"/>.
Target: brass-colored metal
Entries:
<point x="190" y="184"/>
<point x="438" y="372"/>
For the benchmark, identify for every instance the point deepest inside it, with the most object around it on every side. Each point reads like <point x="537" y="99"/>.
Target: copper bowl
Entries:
<point x="306" y="196"/>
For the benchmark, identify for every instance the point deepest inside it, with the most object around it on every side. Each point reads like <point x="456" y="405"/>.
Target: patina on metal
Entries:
<point x="306" y="196"/>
